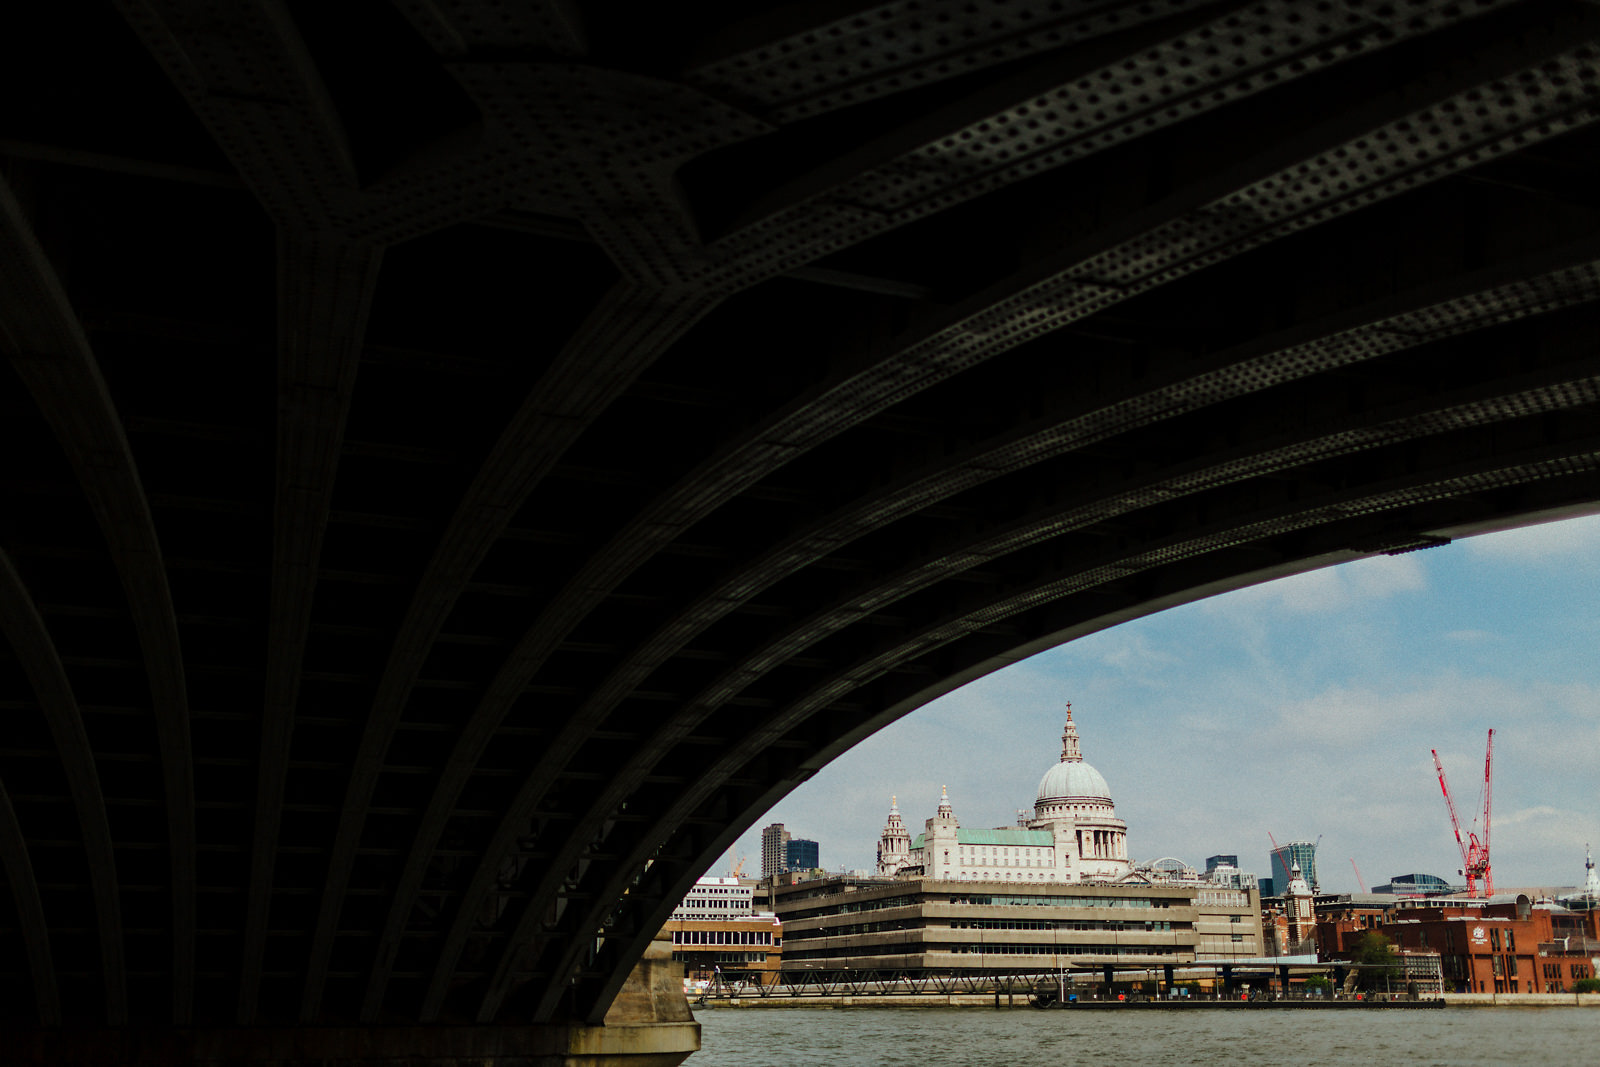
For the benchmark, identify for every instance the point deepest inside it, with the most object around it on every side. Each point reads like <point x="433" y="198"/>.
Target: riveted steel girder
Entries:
<point x="463" y="462"/>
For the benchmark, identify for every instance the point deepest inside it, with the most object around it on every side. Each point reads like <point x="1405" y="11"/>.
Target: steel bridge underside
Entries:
<point x="464" y="461"/>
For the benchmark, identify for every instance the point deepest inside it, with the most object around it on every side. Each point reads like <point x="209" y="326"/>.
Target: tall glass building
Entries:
<point x="801" y="855"/>
<point x="1302" y="852"/>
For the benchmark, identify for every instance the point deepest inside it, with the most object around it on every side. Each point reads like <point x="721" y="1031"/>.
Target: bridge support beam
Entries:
<point x="648" y="1025"/>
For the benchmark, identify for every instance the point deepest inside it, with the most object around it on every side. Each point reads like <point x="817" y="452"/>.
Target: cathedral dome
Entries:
<point x="1073" y="781"/>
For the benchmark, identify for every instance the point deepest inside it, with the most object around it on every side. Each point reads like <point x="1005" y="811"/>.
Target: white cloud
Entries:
<point x="1553" y="543"/>
<point x="1330" y="589"/>
<point x="1304" y="707"/>
<point x="1130" y="651"/>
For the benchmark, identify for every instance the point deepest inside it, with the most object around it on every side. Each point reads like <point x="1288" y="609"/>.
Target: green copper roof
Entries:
<point x="1005" y="837"/>
<point x="1030" y="838"/>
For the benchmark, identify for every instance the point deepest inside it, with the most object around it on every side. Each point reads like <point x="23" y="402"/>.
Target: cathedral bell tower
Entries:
<point x="894" y="847"/>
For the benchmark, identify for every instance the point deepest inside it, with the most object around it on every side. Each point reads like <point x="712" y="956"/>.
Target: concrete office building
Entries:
<point x="774" y="850"/>
<point x="716" y="898"/>
<point x="917" y="924"/>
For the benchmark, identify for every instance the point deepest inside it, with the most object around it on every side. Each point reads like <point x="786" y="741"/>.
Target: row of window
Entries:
<point x="702" y="958"/>
<point x="798" y="949"/>
<point x="1060" y="950"/>
<point x="992" y="899"/>
<point x="1001" y="876"/>
<point x="1137" y="925"/>
<point x="988" y="899"/>
<point x="722" y="937"/>
<point x="1148" y="925"/>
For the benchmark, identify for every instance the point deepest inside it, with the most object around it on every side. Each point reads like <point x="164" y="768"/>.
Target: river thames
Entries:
<point x="978" y="1037"/>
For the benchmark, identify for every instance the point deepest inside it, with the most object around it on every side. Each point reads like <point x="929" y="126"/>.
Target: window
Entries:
<point x="1494" y="940"/>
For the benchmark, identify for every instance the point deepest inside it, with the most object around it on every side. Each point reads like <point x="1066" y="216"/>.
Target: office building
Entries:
<point x="774" y="850"/>
<point x="953" y="927"/>
<point x="801" y="854"/>
<point x="1302" y="854"/>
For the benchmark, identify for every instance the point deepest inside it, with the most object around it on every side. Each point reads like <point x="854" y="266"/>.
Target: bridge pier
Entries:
<point x="648" y="1025"/>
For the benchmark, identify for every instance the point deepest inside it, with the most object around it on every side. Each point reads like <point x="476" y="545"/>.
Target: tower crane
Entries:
<point x="1474" y="851"/>
<point x="1285" y="857"/>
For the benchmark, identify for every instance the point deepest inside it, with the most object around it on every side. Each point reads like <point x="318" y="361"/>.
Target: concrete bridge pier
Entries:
<point x="648" y="1025"/>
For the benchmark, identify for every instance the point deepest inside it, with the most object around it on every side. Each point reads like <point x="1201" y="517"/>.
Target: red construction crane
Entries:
<point x="1359" y="883"/>
<point x="1474" y="852"/>
<point x="1285" y="857"/>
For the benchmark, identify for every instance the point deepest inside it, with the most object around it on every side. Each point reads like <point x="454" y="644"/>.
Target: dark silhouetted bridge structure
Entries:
<point x="464" y="460"/>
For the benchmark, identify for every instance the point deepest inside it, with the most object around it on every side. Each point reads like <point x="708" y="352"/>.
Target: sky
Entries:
<point x="1305" y="707"/>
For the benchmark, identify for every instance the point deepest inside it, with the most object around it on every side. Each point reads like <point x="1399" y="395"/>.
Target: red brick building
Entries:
<point x="1509" y="947"/>
<point x="1340" y="925"/>
<point x="745" y="948"/>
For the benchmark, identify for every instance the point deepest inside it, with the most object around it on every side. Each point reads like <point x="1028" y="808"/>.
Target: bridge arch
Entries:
<point x="452" y="532"/>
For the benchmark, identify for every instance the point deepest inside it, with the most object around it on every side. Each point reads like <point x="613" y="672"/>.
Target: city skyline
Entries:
<point x="1304" y="707"/>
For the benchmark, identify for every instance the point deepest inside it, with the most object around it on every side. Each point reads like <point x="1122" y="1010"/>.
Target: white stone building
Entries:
<point x="1074" y="835"/>
<point x="717" y="898"/>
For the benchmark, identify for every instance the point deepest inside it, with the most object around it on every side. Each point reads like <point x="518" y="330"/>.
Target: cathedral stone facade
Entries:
<point x="1074" y="835"/>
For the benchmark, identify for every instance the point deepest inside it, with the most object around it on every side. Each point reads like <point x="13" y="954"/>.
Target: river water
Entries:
<point x="980" y="1037"/>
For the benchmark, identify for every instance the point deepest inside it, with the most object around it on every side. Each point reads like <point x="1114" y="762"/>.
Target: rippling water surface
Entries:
<point x="932" y="1037"/>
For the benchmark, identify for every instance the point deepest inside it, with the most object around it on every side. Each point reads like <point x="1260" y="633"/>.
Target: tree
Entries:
<point x="1378" y="961"/>
<point x="1587" y="985"/>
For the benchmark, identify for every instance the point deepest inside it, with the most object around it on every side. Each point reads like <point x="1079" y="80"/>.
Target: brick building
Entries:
<point x="747" y="948"/>
<point x="1501" y="947"/>
<point x="1341" y="923"/>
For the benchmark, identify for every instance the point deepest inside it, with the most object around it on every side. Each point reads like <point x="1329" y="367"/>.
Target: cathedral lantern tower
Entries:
<point x="894" y="847"/>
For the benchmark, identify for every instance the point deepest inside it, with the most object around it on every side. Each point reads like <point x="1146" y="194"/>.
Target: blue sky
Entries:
<point x="1303" y="706"/>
